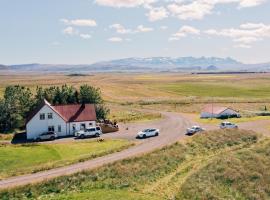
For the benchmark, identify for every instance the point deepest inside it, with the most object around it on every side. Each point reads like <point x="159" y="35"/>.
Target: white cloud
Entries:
<point x="142" y="28"/>
<point x="183" y="32"/>
<point x="115" y="39"/>
<point x="120" y="29"/>
<point x="85" y="36"/>
<point x="245" y="35"/>
<point x="198" y="9"/>
<point x="156" y="14"/>
<point x="194" y="10"/>
<point x="244" y="46"/>
<point x="250" y="3"/>
<point x="163" y="27"/>
<point x="80" y="22"/>
<point x="124" y="3"/>
<point x="70" y="31"/>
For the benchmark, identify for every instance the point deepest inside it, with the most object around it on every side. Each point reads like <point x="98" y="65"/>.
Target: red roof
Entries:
<point x="76" y="112"/>
<point x="69" y="113"/>
<point x="214" y="109"/>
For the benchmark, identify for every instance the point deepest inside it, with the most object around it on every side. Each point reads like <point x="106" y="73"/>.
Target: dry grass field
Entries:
<point x="173" y="92"/>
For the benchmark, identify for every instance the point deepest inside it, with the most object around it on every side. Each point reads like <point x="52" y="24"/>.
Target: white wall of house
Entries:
<point x="36" y="126"/>
<point x="79" y="126"/>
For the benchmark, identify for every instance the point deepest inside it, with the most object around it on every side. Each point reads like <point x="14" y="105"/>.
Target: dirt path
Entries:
<point x="172" y="128"/>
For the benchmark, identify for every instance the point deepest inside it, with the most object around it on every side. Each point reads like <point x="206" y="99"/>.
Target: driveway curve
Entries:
<point x="172" y="128"/>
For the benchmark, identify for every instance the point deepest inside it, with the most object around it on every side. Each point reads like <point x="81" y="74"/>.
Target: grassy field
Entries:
<point x="215" y="165"/>
<point x="122" y="114"/>
<point x="177" y="92"/>
<point x="29" y="158"/>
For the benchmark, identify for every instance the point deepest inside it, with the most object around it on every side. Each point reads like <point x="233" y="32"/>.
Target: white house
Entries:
<point x="62" y="119"/>
<point x="218" y="112"/>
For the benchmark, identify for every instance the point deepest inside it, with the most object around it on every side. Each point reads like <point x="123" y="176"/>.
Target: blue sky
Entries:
<point x="87" y="31"/>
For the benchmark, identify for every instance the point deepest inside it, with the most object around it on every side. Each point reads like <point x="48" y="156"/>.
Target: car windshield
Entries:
<point x="145" y="130"/>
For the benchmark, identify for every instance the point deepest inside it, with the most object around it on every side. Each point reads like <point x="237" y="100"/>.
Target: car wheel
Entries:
<point x="97" y="135"/>
<point x="52" y="138"/>
<point x="82" y="136"/>
<point x="156" y="134"/>
<point x="144" y="136"/>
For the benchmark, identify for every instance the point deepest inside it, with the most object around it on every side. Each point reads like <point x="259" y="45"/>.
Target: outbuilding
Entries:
<point x="211" y="111"/>
<point x="64" y="120"/>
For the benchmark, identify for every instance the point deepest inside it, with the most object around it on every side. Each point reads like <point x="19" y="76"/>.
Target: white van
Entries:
<point x="89" y="132"/>
<point x="228" y="125"/>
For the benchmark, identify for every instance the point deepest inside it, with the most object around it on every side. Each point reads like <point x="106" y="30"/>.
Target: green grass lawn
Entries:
<point x="29" y="158"/>
<point x="127" y="115"/>
<point x="228" y="164"/>
<point x="216" y="89"/>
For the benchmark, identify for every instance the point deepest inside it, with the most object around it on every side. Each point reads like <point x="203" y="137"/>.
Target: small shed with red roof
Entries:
<point x="64" y="120"/>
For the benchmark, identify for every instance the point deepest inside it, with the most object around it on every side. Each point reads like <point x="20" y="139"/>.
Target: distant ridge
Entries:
<point x="151" y="64"/>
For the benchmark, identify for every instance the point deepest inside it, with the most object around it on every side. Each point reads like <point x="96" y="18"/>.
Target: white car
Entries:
<point x="225" y="125"/>
<point x="148" y="133"/>
<point x="50" y="135"/>
<point x="194" y="129"/>
<point x="89" y="132"/>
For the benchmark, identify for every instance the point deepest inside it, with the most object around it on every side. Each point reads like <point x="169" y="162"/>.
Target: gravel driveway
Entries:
<point x="172" y="128"/>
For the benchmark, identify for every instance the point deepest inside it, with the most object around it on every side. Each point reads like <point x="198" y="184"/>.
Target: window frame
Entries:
<point x="59" y="129"/>
<point x="50" y="115"/>
<point x="51" y="128"/>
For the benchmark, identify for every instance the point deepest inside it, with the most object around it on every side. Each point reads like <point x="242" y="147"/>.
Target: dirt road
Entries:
<point x="172" y="128"/>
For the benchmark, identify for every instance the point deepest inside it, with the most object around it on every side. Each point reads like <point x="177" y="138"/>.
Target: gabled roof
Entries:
<point x="77" y="112"/>
<point x="215" y="109"/>
<point x="69" y="113"/>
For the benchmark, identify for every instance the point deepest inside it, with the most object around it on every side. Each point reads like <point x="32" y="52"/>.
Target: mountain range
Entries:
<point x="151" y="64"/>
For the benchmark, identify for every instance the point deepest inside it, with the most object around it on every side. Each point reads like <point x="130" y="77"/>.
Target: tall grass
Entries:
<point x="164" y="167"/>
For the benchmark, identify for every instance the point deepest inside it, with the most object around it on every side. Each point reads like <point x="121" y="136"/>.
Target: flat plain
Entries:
<point x="175" y="92"/>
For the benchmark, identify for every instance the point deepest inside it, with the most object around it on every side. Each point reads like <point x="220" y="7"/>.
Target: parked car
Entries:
<point x="225" y="125"/>
<point x="194" y="129"/>
<point x="89" y="132"/>
<point x="148" y="133"/>
<point x="50" y="135"/>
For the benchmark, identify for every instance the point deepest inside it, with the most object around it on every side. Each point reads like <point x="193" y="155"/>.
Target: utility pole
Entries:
<point x="212" y="108"/>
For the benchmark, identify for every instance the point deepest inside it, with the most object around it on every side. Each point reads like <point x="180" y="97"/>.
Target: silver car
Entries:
<point x="194" y="129"/>
<point x="47" y="136"/>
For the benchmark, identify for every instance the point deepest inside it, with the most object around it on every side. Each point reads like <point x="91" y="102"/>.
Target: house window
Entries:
<point x="82" y="127"/>
<point x="51" y="128"/>
<point x="42" y="116"/>
<point x="73" y="127"/>
<point x="59" y="128"/>
<point x="90" y="124"/>
<point x="50" y="115"/>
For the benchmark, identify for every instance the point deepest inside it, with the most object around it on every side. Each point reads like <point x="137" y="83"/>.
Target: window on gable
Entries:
<point x="59" y="128"/>
<point x="42" y="116"/>
<point x="50" y="115"/>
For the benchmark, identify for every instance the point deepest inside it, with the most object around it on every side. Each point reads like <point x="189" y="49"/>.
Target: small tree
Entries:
<point x="89" y="94"/>
<point x="101" y="111"/>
